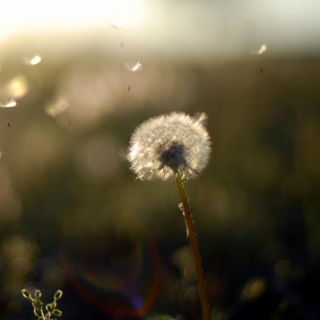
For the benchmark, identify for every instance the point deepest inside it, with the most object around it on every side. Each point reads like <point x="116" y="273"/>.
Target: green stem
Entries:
<point x="42" y="315"/>
<point x="194" y="247"/>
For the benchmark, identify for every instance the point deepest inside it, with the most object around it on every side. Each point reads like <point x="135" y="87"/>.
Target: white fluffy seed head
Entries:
<point x="171" y="143"/>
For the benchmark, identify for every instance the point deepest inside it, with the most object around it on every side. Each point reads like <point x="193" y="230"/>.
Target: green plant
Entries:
<point x="37" y="304"/>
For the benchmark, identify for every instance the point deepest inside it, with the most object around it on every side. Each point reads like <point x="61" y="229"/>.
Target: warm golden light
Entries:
<point x="38" y="15"/>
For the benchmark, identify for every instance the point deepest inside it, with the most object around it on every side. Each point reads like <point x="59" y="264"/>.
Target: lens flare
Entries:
<point x="119" y="276"/>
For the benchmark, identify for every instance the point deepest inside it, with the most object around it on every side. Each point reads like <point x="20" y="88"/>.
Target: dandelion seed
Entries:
<point x="262" y="49"/>
<point x="201" y="117"/>
<point x="135" y="68"/>
<point x="167" y="144"/>
<point x="118" y="25"/>
<point x="32" y="61"/>
<point x="12" y="103"/>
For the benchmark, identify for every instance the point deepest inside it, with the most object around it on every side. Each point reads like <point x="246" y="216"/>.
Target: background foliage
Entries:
<point x="72" y="216"/>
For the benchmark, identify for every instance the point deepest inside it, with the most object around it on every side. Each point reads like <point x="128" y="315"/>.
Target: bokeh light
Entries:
<point x="98" y="158"/>
<point x="9" y="201"/>
<point x="19" y="254"/>
<point x="17" y="87"/>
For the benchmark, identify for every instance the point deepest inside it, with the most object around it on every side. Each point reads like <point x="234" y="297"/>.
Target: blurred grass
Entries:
<point x="255" y="205"/>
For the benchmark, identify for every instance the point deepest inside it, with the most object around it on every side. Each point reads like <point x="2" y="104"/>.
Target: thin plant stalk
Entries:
<point x="194" y="247"/>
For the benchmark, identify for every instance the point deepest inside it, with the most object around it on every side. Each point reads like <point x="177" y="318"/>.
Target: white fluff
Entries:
<point x="169" y="143"/>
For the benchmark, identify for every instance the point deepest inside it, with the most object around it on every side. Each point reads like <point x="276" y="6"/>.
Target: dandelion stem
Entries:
<point x="194" y="247"/>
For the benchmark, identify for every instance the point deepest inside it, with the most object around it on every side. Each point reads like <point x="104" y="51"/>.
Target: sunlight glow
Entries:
<point x="41" y="15"/>
<point x="118" y="24"/>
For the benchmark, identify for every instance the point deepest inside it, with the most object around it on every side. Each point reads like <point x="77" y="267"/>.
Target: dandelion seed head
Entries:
<point x="169" y="143"/>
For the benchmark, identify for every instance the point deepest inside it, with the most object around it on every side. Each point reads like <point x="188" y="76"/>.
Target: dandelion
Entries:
<point x="174" y="145"/>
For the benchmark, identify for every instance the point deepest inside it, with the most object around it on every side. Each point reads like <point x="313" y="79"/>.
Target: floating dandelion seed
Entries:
<point x="167" y="144"/>
<point x="118" y="25"/>
<point x="259" y="52"/>
<point x="135" y="68"/>
<point x="32" y="61"/>
<point x="12" y="103"/>
<point x="201" y="117"/>
<point x="262" y="49"/>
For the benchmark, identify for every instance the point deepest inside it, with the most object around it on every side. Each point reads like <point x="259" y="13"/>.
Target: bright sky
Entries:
<point x="172" y="28"/>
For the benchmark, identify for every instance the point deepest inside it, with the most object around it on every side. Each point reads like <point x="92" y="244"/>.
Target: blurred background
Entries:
<point x="77" y="78"/>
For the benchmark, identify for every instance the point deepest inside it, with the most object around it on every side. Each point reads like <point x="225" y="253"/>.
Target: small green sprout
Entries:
<point x="38" y="305"/>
